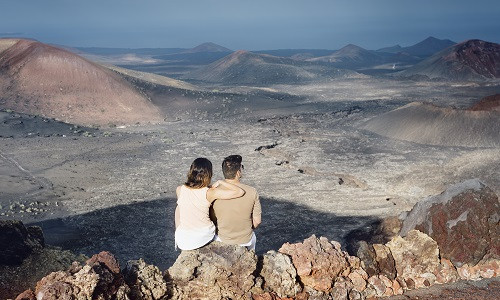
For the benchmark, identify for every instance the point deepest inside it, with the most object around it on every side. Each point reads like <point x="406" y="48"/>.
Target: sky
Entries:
<point x="248" y="24"/>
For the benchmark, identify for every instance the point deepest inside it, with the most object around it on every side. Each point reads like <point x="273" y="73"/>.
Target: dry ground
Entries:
<point x="316" y="172"/>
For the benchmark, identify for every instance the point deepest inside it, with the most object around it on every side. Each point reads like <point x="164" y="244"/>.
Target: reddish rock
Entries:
<point x="358" y="279"/>
<point x="446" y="272"/>
<point x="95" y="280"/>
<point x="26" y="295"/>
<point x="107" y="259"/>
<point x="463" y="220"/>
<point x="318" y="261"/>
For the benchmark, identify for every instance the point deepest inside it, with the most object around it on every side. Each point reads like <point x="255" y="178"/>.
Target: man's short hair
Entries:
<point x="231" y="165"/>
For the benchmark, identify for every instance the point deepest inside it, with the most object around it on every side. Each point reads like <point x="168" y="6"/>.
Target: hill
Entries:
<point x="243" y="67"/>
<point x="428" y="47"/>
<point x="469" y="60"/>
<point x="425" y="123"/>
<point x="39" y="79"/>
<point x="208" y="47"/>
<point x="351" y="56"/>
<point x="489" y="103"/>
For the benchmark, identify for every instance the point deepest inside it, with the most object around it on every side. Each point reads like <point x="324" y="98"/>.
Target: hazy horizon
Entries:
<point x="256" y="25"/>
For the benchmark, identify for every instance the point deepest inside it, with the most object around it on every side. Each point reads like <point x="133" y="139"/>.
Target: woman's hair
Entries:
<point x="200" y="173"/>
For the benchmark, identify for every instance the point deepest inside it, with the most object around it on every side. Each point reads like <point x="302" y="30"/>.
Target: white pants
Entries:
<point x="250" y="245"/>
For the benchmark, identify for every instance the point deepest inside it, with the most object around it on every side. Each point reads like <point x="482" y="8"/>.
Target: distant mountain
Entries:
<point x="469" y="60"/>
<point x="207" y="47"/>
<point x="39" y="79"/>
<point x="429" y="46"/>
<point x="243" y="67"/>
<point x="300" y="54"/>
<point x="391" y="49"/>
<point x="425" y="123"/>
<point x="351" y="56"/>
<point x="423" y="49"/>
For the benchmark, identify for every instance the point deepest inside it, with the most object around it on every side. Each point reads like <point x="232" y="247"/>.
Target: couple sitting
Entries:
<point x="236" y="207"/>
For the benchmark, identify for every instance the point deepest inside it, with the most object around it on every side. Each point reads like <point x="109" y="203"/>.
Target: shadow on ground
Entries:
<point x="146" y="229"/>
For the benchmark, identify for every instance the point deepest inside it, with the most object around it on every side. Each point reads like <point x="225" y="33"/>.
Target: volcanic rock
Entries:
<point x="99" y="278"/>
<point x="463" y="220"/>
<point x="17" y="242"/>
<point x="318" y="261"/>
<point x="215" y="271"/>
<point x="145" y="281"/>
<point x="417" y="258"/>
<point x="279" y="274"/>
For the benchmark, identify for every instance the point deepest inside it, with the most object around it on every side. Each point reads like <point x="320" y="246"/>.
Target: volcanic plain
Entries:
<point x="311" y="149"/>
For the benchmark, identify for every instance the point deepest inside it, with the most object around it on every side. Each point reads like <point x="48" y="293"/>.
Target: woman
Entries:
<point x="193" y="227"/>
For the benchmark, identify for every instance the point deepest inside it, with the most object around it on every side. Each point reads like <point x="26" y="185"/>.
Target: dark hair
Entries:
<point x="200" y="173"/>
<point x="231" y="165"/>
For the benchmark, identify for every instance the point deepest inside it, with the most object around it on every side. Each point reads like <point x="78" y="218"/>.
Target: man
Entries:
<point x="235" y="219"/>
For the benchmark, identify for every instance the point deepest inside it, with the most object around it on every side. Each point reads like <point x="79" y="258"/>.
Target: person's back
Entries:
<point x="235" y="220"/>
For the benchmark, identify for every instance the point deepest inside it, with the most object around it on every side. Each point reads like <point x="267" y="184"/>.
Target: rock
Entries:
<point x="446" y="272"/>
<point x="416" y="257"/>
<point x="377" y="259"/>
<point x="487" y="268"/>
<point x="100" y="278"/>
<point x="318" y="261"/>
<point x="385" y="261"/>
<point x="215" y="271"/>
<point x="268" y="296"/>
<point x="17" y="242"/>
<point x="368" y="258"/>
<point x="463" y="220"/>
<point x="279" y="274"/>
<point x="26" y="295"/>
<point x="341" y="290"/>
<point x="358" y="278"/>
<point x="145" y="281"/>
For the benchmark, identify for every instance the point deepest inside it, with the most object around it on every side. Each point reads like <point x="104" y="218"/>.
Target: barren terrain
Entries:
<point x="303" y="148"/>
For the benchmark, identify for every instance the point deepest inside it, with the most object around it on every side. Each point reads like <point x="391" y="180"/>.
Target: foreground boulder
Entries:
<point x="99" y="278"/>
<point x="463" y="220"/>
<point x="216" y="271"/>
<point x="318" y="261"/>
<point x="17" y="241"/>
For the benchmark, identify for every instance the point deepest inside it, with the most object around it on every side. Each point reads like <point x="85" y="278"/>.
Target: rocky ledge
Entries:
<point x="444" y="239"/>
